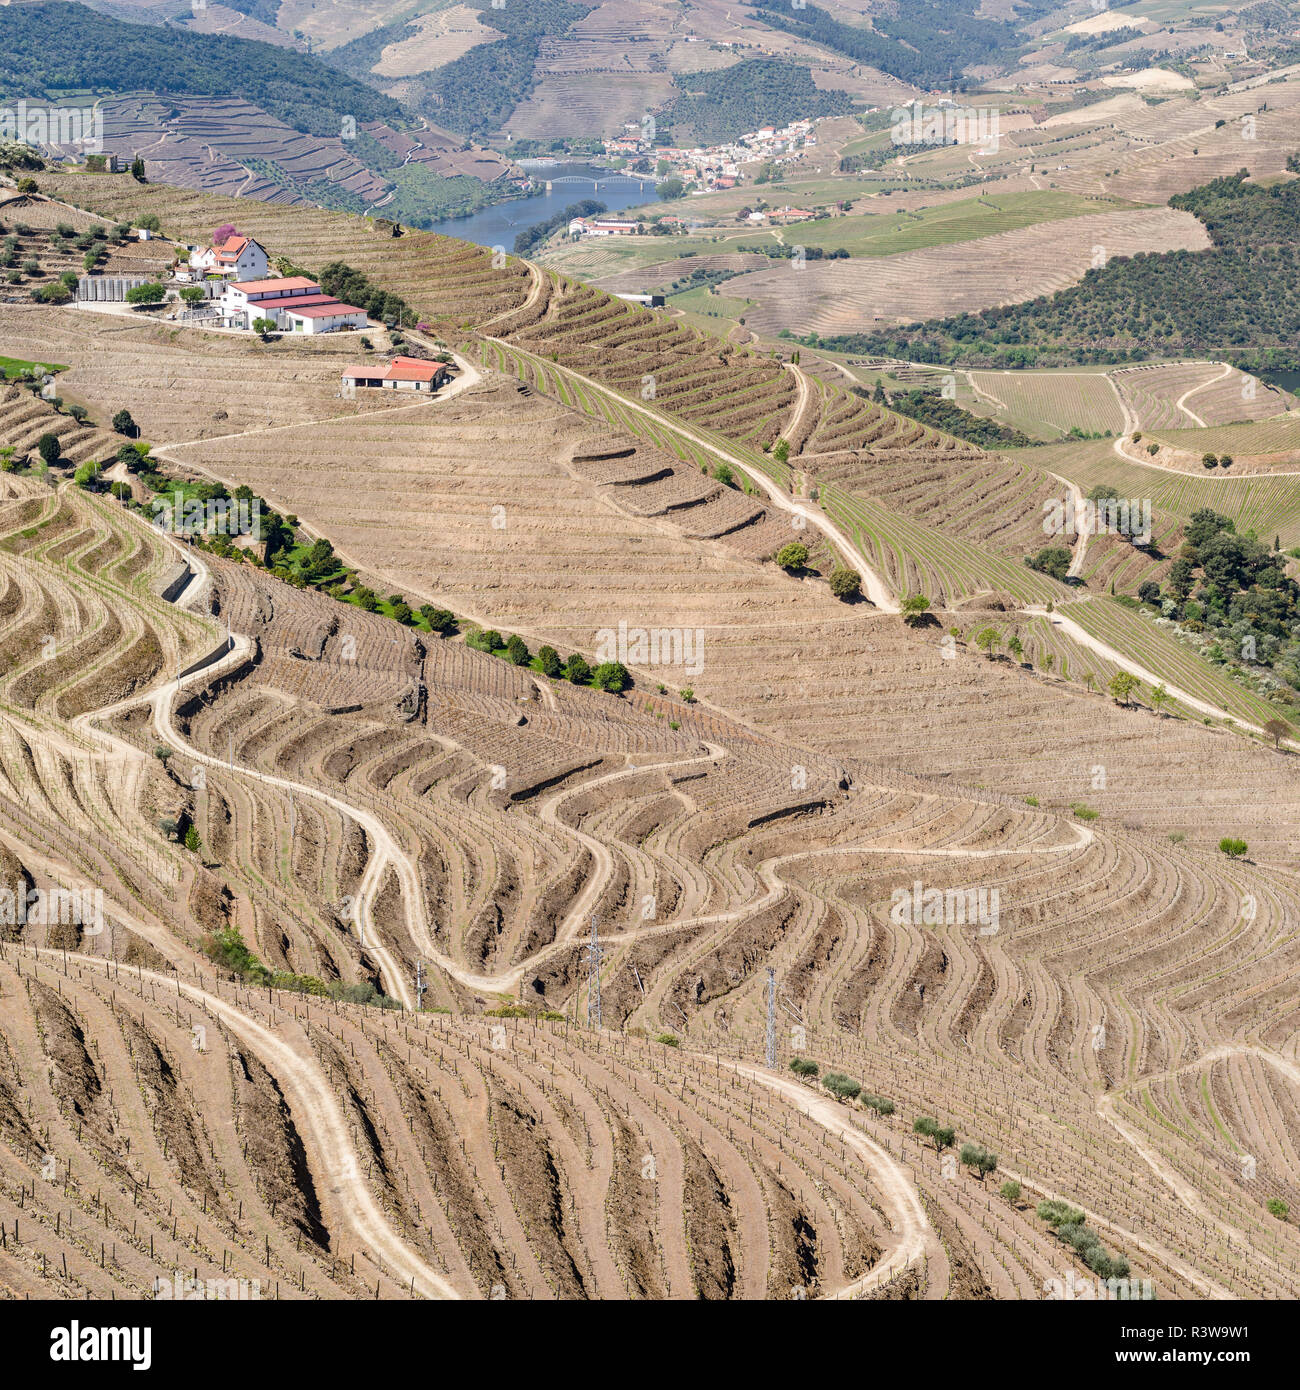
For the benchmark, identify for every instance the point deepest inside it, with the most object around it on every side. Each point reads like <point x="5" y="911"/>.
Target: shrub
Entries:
<point x="877" y="1103"/>
<point x="150" y="293"/>
<point x="439" y="619"/>
<point x="793" y="556"/>
<point x="1010" y="1190"/>
<point x="517" y="653"/>
<point x="486" y="639"/>
<point x="50" y="450"/>
<point x="1277" y="1207"/>
<point x="841" y="1086"/>
<point x="1234" y="849"/>
<point x="802" y="1067"/>
<point x="845" y="583"/>
<point x="668" y="1039"/>
<point x="1057" y="1213"/>
<point x="612" y="676"/>
<point x="1053" y="560"/>
<point x="124" y="424"/>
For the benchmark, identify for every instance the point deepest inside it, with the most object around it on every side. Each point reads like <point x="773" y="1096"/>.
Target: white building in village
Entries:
<point x="237" y="258"/>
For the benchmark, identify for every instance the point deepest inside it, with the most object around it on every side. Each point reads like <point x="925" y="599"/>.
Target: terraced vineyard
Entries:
<point x="340" y="994"/>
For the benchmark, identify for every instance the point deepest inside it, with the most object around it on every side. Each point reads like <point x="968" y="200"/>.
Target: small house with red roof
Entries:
<point x="399" y="374"/>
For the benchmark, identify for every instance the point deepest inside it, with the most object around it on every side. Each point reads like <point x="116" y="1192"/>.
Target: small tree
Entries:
<point x="781" y="450"/>
<point x="1010" y="1190"/>
<point x="1015" y="646"/>
<point x="687" y="694"/>
<point x="548" y="660"/>
<point x="1159" y="698"/>
<point x="50" y="450"/>
<point x="137" y="169"/>
<point x="988" y="640"/>
<point x="978" y="1158"/>
<point x="1122" y="685"/>
<point x="1234" y="849"/>
<point x="576" y="670"/>
<point x="1225" y="460"/>
<point x="1210" y="460"/>
<point x="263" y="327"/>
<point x="440" y="620"/>
<point x="914" y="609"/>
<point x="793" y="556"/>
<point x="149" y="293"/>
<point x="192" y="295"/>
<point x="1277" y="1207"/>
<point x="802" y="1067"/>
<point x="1277" y="730"/>
<point x="724" y="474"/>
<point x="612" y="676"/>
<point x="517" y="653"/>
<point x="846" y="584"/>
<point x="192" y="841"/>
<point x="124" y="424"/>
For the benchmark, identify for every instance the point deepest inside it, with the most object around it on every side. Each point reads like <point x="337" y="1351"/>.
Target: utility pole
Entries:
<point x="593" y="977"/>
<point x="421" y="986"/>
<point x="771" y="1017"/>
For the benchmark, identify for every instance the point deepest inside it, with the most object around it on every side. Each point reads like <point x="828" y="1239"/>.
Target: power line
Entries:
<point x="771" y="1017"/>
<point x="593" y="977"/>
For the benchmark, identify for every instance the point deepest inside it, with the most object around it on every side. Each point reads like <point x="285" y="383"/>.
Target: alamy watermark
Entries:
<point x="948" y="907"/>
<point x="41" y="124"/>
<point x="943" y="124"/>
<point x="653" y="646"/>
<point x="1074" y="1287"/>
<point x="54" y="907"/>
<point x="1103" y="516"/>
<point x="217" y="516"/>
<point x="185" y="1287"/>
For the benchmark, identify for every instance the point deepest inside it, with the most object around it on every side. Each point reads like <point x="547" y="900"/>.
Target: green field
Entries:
<point x="889" y="234"/>
<point x="700" y="304"/>
<point x="883" y="233"/>
<point x="14" y="367"/>
<point x="1276" y="436"/>
<point x="1269" y="506"/>
<point x="1159" y="651"/>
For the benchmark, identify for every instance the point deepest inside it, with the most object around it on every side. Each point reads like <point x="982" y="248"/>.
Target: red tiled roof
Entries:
<point x="399" y="369"/>
<point x="293" y="301"/>
<point x="282" y="282"/>
<point x="418" y="371"/>
<point x="315" y="310"/>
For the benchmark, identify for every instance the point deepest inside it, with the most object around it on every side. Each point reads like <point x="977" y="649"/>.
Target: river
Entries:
<point x="499" y="224"/>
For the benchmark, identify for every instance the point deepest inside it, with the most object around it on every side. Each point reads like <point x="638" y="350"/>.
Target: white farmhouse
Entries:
<point x="238" y="258"/>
